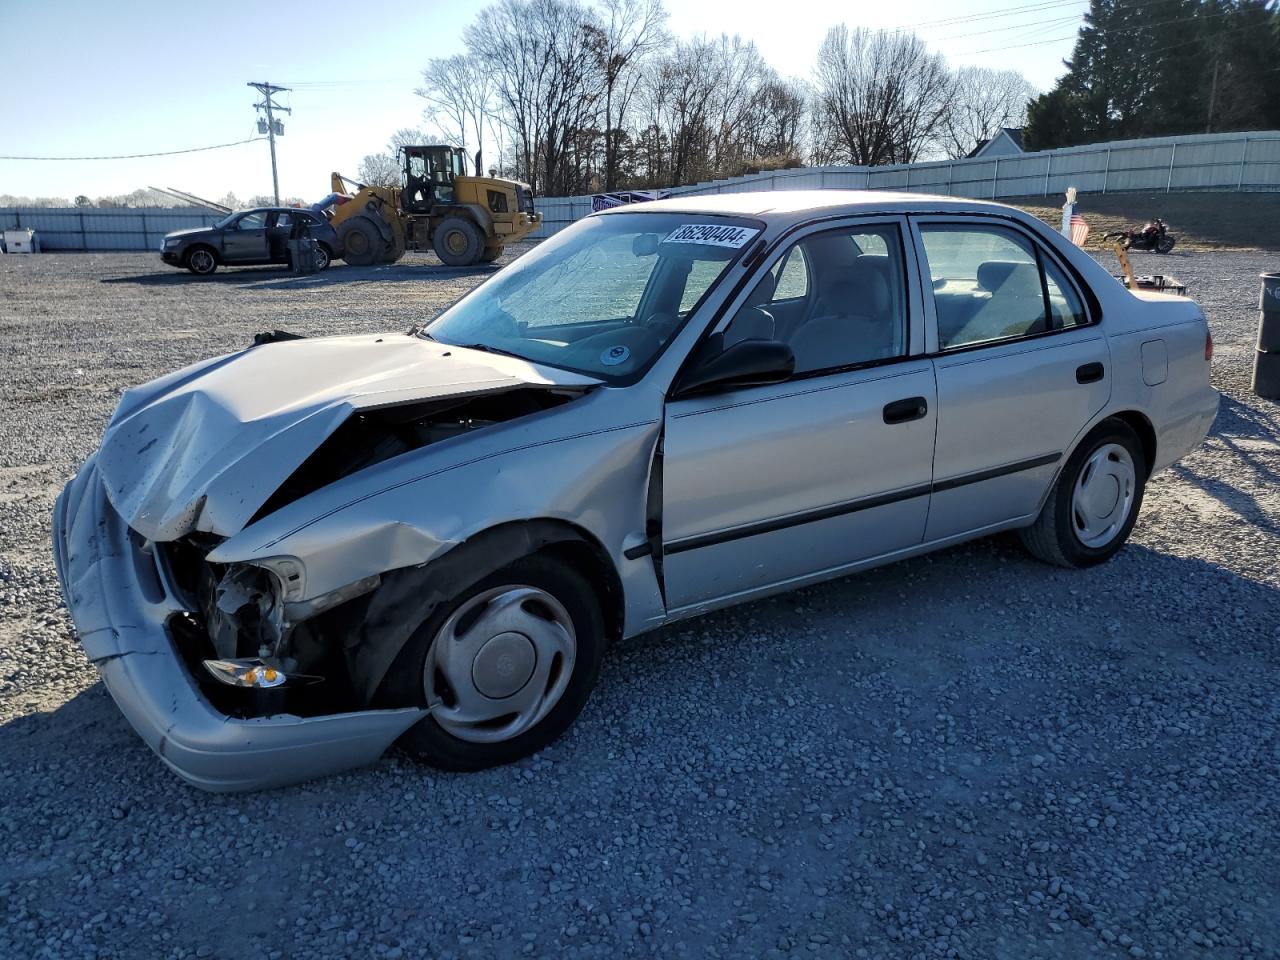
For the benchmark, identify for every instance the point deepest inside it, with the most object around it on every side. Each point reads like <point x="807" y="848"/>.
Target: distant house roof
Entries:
<point x="1007" y="141"/>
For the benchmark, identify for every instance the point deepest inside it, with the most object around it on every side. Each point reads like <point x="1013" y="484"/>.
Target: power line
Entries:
<point x="1040" y="7"/>
<point x="136" y="156"/>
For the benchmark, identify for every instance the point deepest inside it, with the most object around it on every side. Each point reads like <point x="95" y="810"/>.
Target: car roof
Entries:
<point x="794" y="205"/>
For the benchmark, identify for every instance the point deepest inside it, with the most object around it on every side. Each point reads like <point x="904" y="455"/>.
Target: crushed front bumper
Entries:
<point x="121" y="602"/>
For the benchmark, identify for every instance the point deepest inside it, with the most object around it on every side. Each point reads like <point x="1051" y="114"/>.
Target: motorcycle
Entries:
<point x="1152" y="236"/>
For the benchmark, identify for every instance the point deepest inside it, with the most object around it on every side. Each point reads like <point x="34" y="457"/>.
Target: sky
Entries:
<point x="93" y="78"/>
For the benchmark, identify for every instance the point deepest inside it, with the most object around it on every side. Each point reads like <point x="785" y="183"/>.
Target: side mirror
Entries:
<point x="747" y="363"/>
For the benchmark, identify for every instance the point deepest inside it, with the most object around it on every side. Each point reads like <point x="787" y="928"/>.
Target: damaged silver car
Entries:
<point x="283" y="560"/>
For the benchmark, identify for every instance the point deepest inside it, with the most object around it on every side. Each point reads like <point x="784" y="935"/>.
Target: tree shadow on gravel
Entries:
<point x="271" y="278"/>
<point x="1244" y="433"/>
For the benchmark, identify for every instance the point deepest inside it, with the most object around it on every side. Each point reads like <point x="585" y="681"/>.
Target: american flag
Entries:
<point x="1079" y="230"/>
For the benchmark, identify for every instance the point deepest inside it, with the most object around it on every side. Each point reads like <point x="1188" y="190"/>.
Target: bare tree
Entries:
<point x="630" y="30"/>
<point x="379" y="170"/>
<point x="883" y="95"/>
<point x="984" y="101"/>
<point x="544" y="58"/>
<point x="460" y="91"/>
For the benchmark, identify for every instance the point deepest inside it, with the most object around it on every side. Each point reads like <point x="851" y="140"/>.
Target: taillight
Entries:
<point x="1208" y="345"/>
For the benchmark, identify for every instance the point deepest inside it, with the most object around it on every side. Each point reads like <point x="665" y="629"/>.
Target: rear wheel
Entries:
<point x="361" y="243"/>
<point x="324" y="256"/>
<point x="201" y="261"/>
<point x="1164" y="244"/>
<point x="505" y="668"/>
<point x="1095" y="502"/>
<point x="458" y="242"/>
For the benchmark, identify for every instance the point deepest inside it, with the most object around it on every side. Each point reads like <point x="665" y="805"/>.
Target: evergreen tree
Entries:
<point x="1155" y="67"/>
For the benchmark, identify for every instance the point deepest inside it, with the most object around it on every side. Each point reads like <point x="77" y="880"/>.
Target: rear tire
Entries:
<point x="201" y="261"/>
<point x="361" y="243"/>
<point x="458" y="242"/>
<point x="1164" y="244"/>
<point x="324" y="257"/>
<point x="530" y="606"/>
<point x="1095" y="501"/>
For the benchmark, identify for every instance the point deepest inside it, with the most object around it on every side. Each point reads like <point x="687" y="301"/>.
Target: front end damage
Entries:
<point x="243" y="675"/>
<point x="138" y="627"/>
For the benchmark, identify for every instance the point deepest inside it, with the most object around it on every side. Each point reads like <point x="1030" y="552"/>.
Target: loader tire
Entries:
<point x="361" y="242"/>
<point x="458" y="242"/>
<point x="491" y="254"/>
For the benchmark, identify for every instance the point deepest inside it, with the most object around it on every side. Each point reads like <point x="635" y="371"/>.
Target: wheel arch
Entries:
<point x="1134" y="419"/>
<point x="1142" y="427"/>
<point x="409" y="595"/>
<point x="202" y="245"/>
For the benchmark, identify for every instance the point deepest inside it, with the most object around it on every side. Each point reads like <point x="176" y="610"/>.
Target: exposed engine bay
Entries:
<point x="241" y="612"/>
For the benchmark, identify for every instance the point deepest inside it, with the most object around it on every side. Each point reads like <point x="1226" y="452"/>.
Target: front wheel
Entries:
<point x="324" y="257"/>
<point x="1095" y="502"/>
<point x="201" y="261"/>
<point x="458" y="242"/>
<point x="505" y="668"/>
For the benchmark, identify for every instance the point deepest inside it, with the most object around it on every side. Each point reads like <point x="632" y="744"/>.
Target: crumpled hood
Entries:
<point x="203" y="449"/>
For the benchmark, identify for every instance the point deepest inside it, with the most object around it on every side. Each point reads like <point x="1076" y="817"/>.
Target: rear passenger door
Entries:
<point x="1021" y="368"/>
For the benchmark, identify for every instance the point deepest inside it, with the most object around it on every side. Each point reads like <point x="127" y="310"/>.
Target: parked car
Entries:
<point x="285" y="559"/>
<point x="249" y="237"/>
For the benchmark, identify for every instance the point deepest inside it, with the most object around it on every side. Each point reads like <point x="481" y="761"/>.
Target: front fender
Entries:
<point x="400" y="516"/>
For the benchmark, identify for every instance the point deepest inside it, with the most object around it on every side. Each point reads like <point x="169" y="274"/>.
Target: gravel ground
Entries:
<point x="969" y="754"/>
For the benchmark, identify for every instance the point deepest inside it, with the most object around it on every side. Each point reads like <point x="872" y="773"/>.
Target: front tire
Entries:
<point x="201" y="261"/>
<point x="1095" y="501"/>
<point x="506" y="667"/>
<point x="458" y="242"/>
<point x="361" y="243"/>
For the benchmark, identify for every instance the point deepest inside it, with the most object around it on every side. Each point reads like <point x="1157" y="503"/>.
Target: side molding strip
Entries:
<point x="853" y="506"/>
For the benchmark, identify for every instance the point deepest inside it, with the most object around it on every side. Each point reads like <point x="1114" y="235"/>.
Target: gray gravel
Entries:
<point x="969" y="755"/>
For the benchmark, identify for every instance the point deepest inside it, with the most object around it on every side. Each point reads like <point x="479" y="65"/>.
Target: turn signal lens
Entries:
<point x="245" y="673"/>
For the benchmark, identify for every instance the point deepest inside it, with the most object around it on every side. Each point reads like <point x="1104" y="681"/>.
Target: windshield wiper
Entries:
<point x="487" y="348"/>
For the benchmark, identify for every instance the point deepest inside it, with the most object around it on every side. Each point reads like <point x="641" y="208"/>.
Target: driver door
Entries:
<point x="245" y="241"/>
<point x="769" y="486"/>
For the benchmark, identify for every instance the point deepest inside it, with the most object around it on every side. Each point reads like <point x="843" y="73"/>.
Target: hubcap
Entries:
<point x="456" y="241"/>
<point x="500" y="663"/>
<point x="1103" y="495"/>
<point x="202" y="260"/>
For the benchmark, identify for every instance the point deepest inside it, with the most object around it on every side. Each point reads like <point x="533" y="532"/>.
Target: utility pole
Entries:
<point x="268" y="90"/>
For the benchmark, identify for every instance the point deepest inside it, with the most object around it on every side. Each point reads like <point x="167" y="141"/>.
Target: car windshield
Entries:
<point x="226" y="221"/>
<point x="602" y="297"/>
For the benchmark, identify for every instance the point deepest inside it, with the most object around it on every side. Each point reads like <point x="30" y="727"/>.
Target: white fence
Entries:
<point x="106" y="228"/>
<point x="1202" y="162"/>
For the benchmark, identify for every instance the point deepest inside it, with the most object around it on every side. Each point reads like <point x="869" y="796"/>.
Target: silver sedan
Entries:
<point x="283" y="560"/>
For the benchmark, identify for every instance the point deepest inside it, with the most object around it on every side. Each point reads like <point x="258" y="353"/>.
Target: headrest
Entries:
<point x="763" y="292"/>
<point x="1010" y="277"/>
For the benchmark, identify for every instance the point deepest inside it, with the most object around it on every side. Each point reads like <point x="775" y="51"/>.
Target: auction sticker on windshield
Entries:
<point x="711" y="234"/>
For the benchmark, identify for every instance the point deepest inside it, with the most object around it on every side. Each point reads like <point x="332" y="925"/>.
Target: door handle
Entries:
<point x="904" y="411"/>
<point x="1090" y="372"/>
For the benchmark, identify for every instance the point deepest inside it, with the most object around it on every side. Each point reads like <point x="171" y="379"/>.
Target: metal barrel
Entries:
<point x="1266" y="363"/>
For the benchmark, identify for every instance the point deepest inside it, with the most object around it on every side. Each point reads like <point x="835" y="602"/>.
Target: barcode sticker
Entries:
<point x="711" y="234"/>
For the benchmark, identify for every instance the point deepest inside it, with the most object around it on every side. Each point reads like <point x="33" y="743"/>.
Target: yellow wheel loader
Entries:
<point x="466" y="220"/>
